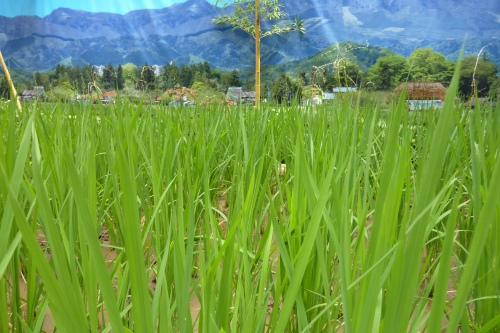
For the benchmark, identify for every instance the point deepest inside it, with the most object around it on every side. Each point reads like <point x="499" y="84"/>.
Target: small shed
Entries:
<point x="423" y="90"/>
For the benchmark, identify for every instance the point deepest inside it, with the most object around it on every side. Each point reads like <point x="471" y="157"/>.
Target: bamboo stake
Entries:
<point x="13" y="92"/>
<point x="257" y="53"/>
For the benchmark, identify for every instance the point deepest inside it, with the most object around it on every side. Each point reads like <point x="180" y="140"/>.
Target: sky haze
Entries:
<point x="43" y="8"/>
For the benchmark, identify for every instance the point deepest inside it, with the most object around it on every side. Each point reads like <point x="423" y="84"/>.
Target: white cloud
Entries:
<point x="393" y="29"/>
<point x="349" y="18"/>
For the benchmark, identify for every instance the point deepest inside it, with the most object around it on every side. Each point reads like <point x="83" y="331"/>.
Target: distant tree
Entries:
<point x="249" y="84"/>
<point x="284" y="90"/>
<point x="387" y="73"/>
<point x="169" y="76"/>
<point x="148" y="76"/>
<point x="62" y="92"/>
<point x="88" y="74"/>
<point x="59" y="75"/>
<point x="130" y="72"/>
<point x="230" y="79"/>
<point x="206" y="94"/>
<point x="347" y="74"/>
<point x="235" y="78"/>
<point x="120" y="81"/>
<point x="76" y="79"/>
<point x="185" y="76"/>
<point x="41" y="79"/>
<point x="344" y="73"/>
<point x="4" y="89"/>
<point x="310" y="91"/>
<point x="266" y="92"/>
<point x="477" y="73"/>
<point x="302" y="77"/>
<point x="429" y="66"/>
<point x="495" y="90"/>
<point x="109" y="77"/>
<point x="248" y="15"/>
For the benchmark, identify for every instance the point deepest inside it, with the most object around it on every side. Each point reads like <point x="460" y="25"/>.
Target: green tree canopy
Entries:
<point x="230" y="79"/>
<point x="481" y="76"/>
<point x="284" y="90"/>
<point x="429" y="66"/>
<point x="120" y="81"/>
<point x="495" y="89"/>
<point x="345" y="73"/>
<point x="109" y="77"/>
<point x="148" y="76"/>
<point x="130" y="72"/>
<point x="387" y="73"/>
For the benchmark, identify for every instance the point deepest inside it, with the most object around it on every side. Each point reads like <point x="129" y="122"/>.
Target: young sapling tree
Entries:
<point x="248" y="16"/>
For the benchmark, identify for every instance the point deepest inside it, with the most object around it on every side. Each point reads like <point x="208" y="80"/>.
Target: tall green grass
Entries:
<point x="155" y="219"/>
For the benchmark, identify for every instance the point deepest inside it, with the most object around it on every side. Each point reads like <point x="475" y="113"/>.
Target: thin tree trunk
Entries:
<point x="257" y="53"/>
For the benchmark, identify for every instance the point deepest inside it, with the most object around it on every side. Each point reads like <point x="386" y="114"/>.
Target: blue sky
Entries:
<point x="45" y="7"/>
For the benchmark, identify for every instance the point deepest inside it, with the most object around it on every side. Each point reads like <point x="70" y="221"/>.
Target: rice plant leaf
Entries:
<point x="15" y="181"/>
<point x="60" y="307"/>
<point x="400" y="298"/>
<point x="489" y="214"/>
<point x="305" y="250"/>
<point x="10" y="252"/>
<point x="133" y="245"/>
<point x="91" y="239"/>
<point x="443" y="271"/>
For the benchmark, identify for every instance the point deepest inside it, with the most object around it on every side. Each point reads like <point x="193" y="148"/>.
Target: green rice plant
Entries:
<point x="342" y="217"/>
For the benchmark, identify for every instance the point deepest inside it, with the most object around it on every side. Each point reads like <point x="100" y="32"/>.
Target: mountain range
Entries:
<point x="184" y="33"/>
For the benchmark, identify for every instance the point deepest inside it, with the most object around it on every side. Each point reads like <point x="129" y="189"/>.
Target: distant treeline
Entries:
<point x="334" y="70"/>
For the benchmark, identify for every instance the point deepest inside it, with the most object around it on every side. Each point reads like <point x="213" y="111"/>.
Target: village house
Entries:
<point x="37" y="92"/>
<point x="423" y="95"/>
<point x="238" y="94"/>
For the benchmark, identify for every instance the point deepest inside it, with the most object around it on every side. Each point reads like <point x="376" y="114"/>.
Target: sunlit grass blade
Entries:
<point x="489" y="214"/>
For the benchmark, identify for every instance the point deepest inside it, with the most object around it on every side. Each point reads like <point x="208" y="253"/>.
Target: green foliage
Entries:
<point x="130" y="72"/>
<point x="429" y="66"/>
<point x="148" y="79"/>
<point x="4" y="88"/>
<point x="243" y="17"/>
<point x="63" y="92"/>
<point x="41" y="79"/>
<point x="285" y="89"/>
<point x="109" y="77"/>
<point x="342" y="73"/>
<point x="120" y="80"/>
<point x="362" y="55"/>
<point x="478" y="74"/>
<point x="172" y="76"/>
<point x="495" y="89"/>
<point x="218" y="219"/>
<point x="387" y="73"/>
<point x="206" y="94"/>
<point x="311" y="91"/>
<point x="230" y="79"/>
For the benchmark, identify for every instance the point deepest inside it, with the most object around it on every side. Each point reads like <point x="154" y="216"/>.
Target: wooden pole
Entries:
<point x="13" y="93"/>
<point x="257" y="53"/>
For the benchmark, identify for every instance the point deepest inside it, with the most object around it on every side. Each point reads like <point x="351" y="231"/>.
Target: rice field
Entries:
<point x="339" y="218"/>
